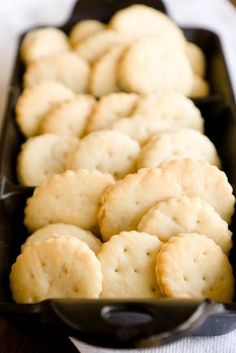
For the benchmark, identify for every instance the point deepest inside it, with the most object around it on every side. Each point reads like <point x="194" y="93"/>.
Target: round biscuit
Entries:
<point x="140" y="128"/>
<point x="104" y="72"/>
<point x="63" y="230"/>
<point x="92" y="47"/>
<point x="147" y="66"/>
<point x="172" y="107"/>
<point x="197" y="59"/>
<point x="107" y="151"/>
<point x="42" y="42"/>
<point x="84" y="29"/>
<point x="200" y="88"/>
<point x="124" y="204"/>
<point x="35" y="102"/>
<point x="186" y="215"/>
<point x="110" y="108"/>
<point x="193" y="266"/>
<point x="56" y="268"/>
<point x="128" y="266"/>
<point x="43" y="156"/>
<point x="177" y="144"/>
<point x="140" y="20"/>
<point x="68" y="117"/>
<point x="200" y="179"/>
<point x="71" y="198"/>
<point x="66" y="68"/>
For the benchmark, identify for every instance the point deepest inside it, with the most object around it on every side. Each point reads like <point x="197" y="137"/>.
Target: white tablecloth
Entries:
<point x="223" y="344"/>
<point x="219" y="15"/>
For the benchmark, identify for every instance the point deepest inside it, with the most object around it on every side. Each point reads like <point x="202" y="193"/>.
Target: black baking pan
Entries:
<point x="117" y="323"/>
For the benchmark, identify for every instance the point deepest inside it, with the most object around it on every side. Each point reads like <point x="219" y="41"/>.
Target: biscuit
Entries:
<point x="197" y="59"/>
<point x="128" y="266"/>
<point x="177" y="144"/>
<point x="151" y="64"/>
<point x="173" y="107"/>
<point x="71" y="198"/>
<point x="200" y="88"/>
<point x="66" y="68"/>
<point x="68" y="117"/>
<point x="124" y="204"/>
<point x="140" y="128"/>
<point x="35" y="102"/>
<point x="193" y="266"/>
<point x="92" y="47"/>
<point x="63" y="230"/>
<point x="201" y="179"/>
<point x="43" y="156"/>
<point x="56" y="268"/>
<point x="84" y="29"/>
<point x="107" y="151"/>
<point x="110" y="108"/>
<point x="186" y="215"/>
<point x="140" y="20"/>
<point x="42" y="42"/>
<point x="104" y="72"/>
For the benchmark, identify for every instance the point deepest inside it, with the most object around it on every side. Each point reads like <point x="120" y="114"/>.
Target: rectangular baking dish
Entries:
<point x="117" y="323"/>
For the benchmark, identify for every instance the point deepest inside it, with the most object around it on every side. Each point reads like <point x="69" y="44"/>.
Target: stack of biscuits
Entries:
<point x="129" y="199"/>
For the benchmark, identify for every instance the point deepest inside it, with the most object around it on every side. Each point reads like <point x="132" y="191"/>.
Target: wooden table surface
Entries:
<point x="13" y="340"/>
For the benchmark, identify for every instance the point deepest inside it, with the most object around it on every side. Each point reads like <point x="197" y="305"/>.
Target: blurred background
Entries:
<point x="16" y="16"/>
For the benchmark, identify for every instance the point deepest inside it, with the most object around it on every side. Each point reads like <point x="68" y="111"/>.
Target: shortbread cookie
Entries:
<point x="56" y="268"/>
<point x="92" y="47"/>
<point x="124" y="204"/>
<point x="66" y="68"/>
<point x="186" y="215"/>
<point x="128" y="266"/>
<point x="197" y="59"/>
<point x="172" y="107"/>
<point x="68" y="117"/>
<point x="141" y="128"/>
<point x="71" y="197"/>
<point x="107" y="151"/>
<point x="63" y="230"/>
<point x="201" y="179"/>
<point x="43" y="42"/>
<point x="83" y="29"/>
<point x="104" y="72"/>
<point x="43" y="156"/>
<point x="193" y="266"/>
<point x="153" y="65"/>
<point x="111" y="108"/>
<point x="200" y="88"/>
<point x="177" y="144"/>
<point x="140" y="20"/>
<point x="35" y="102"/>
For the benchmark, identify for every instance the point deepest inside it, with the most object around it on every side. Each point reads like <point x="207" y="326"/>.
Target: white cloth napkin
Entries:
<point x="17" y="16"/>
<point x="221" y="344"/>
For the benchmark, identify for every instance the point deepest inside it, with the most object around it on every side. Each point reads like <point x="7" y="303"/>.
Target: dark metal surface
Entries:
<point x="17" y="340"/>
<point x="111" y="323"/>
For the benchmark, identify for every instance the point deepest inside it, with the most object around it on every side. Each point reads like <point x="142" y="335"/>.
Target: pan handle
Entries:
<point x="104" y="9"/>
<point x="135" y="324"/>
<point x="186" y="329"/>
<point x="116" y="323"/>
